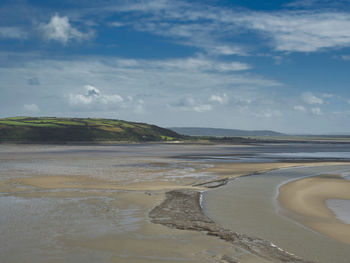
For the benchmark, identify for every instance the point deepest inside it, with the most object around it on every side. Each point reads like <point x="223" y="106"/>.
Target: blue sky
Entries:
<point x="280" y="65"/>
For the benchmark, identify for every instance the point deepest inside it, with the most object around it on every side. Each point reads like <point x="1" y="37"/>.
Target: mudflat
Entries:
<point x="93" y="203"/>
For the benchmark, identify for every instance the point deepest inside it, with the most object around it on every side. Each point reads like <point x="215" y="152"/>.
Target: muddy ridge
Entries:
<point x="181" y="210"/>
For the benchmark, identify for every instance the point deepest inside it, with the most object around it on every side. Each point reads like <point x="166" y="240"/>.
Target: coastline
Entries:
<point x="252" y="211"/>
<point x="107" y="196"/>
<point x="304" y="200"/>
<point x="181" y="209"/>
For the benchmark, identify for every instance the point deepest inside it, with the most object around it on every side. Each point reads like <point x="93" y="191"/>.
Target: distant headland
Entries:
<point x="56" y="130"/>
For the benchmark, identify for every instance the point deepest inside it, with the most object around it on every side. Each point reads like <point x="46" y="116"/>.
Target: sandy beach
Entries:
<point x="89" y="204"/>
<point x="305" y="201"/>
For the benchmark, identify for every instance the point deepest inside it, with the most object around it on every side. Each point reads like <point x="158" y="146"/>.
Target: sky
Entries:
<point x="242" y="64"/>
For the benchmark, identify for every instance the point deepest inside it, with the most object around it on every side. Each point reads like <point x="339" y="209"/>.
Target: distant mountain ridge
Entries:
<point x="60" y="130"/>
<point x="218" y="132"/>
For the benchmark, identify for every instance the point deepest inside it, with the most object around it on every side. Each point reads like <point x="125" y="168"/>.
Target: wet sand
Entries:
<point x="181" y="209"/>
<point x="248" y="205"/>
<point x="92" y="204"/>
<point x="305" y="200"/>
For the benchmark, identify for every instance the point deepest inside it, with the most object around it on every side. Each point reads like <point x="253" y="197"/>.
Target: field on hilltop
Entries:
<point x="52" y="129"/>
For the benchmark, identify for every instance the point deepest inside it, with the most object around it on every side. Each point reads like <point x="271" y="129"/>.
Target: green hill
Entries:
<point x="195" y="131"/>
<point x="55" y="130"/>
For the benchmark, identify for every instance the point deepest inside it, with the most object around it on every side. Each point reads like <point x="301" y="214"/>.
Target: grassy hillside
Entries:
<point x="195" y="131"/>
<point x="30" y="129"/>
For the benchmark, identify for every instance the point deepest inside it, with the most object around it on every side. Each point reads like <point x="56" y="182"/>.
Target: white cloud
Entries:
<point x="310" y="98"/>
<point x="227" y="50"/>
<point x="32" y="108"/>
<point x="206" y="26"/>
<point x="139" y="108"/>
<point x="94" y="100"/>
<point x="232" y="66"/>
<point x="12" y="32"/>
<point x="327" y="95"/>
<point x="268" y="113"/>
<point x="143" y="6"/>
<point x="188" y="103"/>
<point x="345" y="57"/>
<point x="221" y="99"/>
<point x="94" y="96"/>
<point x="190" y="24"/>
<point x="200" y="64"/>
<point x="301" y="3"/>
<point x="62" y="86"/>
<point x="134" y="75"/>
<point x="117" y="24"/>
<point x="197" y="63"/>
<point x="59" y="29"/>
<point x="203" y="108"/>
<point x="92" y="91"/>
<point x="301" y="31"/>
<point x="253" y="102"/>
<point x="316" y="111"/>
<point x="299" y="108"/>
<point x="317" y="4"/>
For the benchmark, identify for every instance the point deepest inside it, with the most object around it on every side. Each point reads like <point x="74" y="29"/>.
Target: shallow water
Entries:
<point x="38" y="227"/>
<point x="248" y="205"/>
<point x="341" y="208"/>
<point x="303" y="155"/>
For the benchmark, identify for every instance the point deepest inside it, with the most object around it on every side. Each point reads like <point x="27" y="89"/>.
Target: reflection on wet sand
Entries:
<point x="91" y="203"/>
<point x="252" y="210"/>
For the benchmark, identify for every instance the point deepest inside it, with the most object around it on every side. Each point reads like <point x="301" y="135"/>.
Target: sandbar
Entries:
<point x="305" y="199"/>
<point x="93" y="204"/>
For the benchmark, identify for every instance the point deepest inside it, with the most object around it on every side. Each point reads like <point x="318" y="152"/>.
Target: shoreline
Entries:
<point x="241" y="141"/>
<point x="113" y="192"/>
<point x="189" y="215"/>
<point x="304" y="201"/>
<point x="181" y="210"/>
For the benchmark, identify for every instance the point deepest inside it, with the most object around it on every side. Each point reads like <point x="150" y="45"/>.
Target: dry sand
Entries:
<point x="305" y="201"/>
